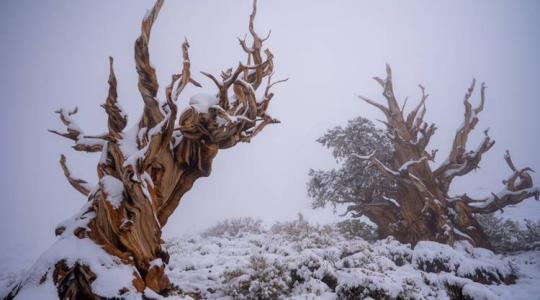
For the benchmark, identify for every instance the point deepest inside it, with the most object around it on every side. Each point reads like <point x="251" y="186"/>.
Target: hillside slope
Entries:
<point x="296" y="260"/>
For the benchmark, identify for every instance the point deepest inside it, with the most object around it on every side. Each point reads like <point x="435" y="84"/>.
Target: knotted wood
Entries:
<point x="145" y="171"/>
<point x="422" y="208"/>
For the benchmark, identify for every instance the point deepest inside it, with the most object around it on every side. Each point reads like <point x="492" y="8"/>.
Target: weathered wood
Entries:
<point x="154" y="164"/>
<point x="425" y="210"/>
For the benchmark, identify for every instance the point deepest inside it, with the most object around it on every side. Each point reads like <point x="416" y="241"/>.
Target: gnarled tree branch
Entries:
<point x="117" y="120"/>
<point x="426" y="211"/>
<point x="145" y="171"/>
<point x="76" y="134"/>
<point x="148" y="85"/>
<point x="518" y="187"/>
<point x="79" y="184"/>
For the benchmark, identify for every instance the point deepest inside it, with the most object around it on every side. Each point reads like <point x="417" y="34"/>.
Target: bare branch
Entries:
<point x="469" y="122"/>
<point x="461" y="162"/>
<point x="509" y="161"/>
<point x="427" y="133"/>
<point x="377" y="105"/>
<point x="468" y="162"/>
<point x="223" y="86"/>
<point x="117" y="117"/>
<point x="404" y="104"/>
<point x="186" y="72"/>
<point x="413" y="114"/>
<point x="160" y="136"/>
<point x="76" y="134"/>
<point x="505" y="198"/>
<point x="388" y="93"/>
<point x="268" y="95"/>
<point x="148" y="85"/>
<point x="80" y="185"/>
<point x="518" y="187"/>
<point x="480" y="107"/>
<point x="251" y="134"/>
<point x="226" y="124"/>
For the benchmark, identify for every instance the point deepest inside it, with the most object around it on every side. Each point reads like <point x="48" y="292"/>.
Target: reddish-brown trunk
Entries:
<point x="423" y="208"/>
<point x="145" y="171"/>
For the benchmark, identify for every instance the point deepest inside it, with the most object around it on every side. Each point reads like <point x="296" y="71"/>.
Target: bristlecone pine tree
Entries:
<point x="420" y="207"/>
<point x="113" y="247"/>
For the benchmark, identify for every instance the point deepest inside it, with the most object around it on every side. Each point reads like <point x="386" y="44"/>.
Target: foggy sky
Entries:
<point x="54" y="54"/>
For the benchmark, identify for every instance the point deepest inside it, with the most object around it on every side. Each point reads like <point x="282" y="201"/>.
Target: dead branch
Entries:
<point x="117" y="118"/>
<point x="76" y="134"/>
<point x="79" y="184"/>
<point x="148" y="85"/>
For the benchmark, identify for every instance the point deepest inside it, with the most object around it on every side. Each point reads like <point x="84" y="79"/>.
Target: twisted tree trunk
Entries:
<point x="421" y="208"/>
<point x="113" y="247"/>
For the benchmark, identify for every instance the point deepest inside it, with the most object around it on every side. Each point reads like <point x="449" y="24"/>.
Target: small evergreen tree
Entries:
<point x="353" y="182"/>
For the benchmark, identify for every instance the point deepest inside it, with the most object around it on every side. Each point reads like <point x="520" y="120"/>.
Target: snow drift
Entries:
<point x="241" y="259"/>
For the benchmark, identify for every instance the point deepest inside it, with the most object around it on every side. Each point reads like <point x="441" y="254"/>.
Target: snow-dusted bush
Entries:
<point x="313" y="274"/>
<point x="260" y="279"/>
<point x="532" y="234"/>
<point x="354" y="286"/>
<point x="304" y="234"/>
<point x="355" y="228"/>
<point x="478" y="264"/>
<point x="278" y="264"/>
<point x="234" y="227"/>
<point x="299" y="260"/>
<point x="508" y="236"/>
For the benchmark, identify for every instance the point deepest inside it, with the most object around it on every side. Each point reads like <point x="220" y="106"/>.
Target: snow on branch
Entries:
<point x="237" y="118"/>
<point x="403" y="171"/>
<point x="465" y="163"/>
<point x="518" y="187"/>
<point x="76" y="134"/>
<point x="405" y="167"/>
<point x="458" y="155"/>
<point x="160" y="135"/>
<point x="380" y="165"/>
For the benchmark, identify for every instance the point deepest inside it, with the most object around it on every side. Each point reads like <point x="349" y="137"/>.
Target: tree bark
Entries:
<point x="145" y="171"/>
<point x="421" y="208"/>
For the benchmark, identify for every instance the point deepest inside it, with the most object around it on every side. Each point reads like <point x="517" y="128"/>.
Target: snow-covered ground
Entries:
<point x="296" y="260"/>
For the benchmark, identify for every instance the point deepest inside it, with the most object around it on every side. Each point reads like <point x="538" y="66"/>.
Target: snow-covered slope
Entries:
<point x="299" y="261"/>
<point x="296" y="260"/>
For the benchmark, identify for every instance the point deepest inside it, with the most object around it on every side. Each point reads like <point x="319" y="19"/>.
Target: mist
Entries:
<point x="54" y="54"/>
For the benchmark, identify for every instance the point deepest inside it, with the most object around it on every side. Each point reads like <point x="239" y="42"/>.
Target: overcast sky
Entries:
<point x="54" y="54"/>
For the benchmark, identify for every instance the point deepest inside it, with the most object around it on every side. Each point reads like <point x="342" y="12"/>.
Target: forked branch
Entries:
<point x="460" y="162"/>
<point x="76" y="134"/>
<point x="518" y="187"/>
<point x="79" y="184"/>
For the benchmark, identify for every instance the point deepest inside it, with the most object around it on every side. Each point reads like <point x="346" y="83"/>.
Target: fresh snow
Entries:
<point x="203" y="101"/>
<point x="295" y="260"/>
<point x="114" y="188"/>
<point x="111" y="273"/>
<point x="204" y="266"/>
<point x="502" y="194"/>
<point x="406" y="165"/>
